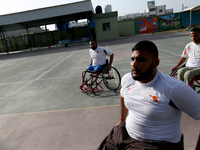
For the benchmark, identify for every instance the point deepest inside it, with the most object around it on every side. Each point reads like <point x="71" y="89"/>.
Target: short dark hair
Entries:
<point x="195" y="29"/>
<point x="93" y="40"/>
<point x="147" y="45"/>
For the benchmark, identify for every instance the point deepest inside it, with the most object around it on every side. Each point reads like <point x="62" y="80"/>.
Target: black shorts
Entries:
<point x="118" y="139"/>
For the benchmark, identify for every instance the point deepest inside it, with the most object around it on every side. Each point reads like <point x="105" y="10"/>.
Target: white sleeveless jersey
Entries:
<point x="99" y="55"/>
<point x="150" y="116"/>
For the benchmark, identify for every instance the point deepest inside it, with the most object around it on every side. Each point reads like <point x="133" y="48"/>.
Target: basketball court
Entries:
<point x="42" y="108"/>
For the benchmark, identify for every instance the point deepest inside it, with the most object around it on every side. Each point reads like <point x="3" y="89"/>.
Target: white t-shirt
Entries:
<point x="99" y="55"/>
<point x="150" y="116"/>
<point x="192" y="52"/>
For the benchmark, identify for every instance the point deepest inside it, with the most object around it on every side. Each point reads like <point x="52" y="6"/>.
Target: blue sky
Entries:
<point x="122" y="6"/>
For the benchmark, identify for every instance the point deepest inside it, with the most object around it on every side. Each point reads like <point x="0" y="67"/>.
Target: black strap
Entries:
<point x="105" y="52"/>
<point x="172" y="104"/>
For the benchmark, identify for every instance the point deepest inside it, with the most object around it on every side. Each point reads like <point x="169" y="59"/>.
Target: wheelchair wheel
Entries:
<point x="174" y="73"/>
<point x="111" y="78"/>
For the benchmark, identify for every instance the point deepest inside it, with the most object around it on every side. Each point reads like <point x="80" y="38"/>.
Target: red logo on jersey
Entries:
<point x="127" y="91"/>
<point x="155" y="98"/>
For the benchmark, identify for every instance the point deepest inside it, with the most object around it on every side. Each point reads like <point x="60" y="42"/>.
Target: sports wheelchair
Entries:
<point x="195" y="82"/>
<point x="91" y="81"/>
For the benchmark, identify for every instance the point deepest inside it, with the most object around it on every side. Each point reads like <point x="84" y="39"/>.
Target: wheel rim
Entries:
<point x="111" y="79"/>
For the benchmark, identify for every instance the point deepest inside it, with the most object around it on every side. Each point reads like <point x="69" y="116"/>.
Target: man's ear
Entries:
<point x="156" y="62"/>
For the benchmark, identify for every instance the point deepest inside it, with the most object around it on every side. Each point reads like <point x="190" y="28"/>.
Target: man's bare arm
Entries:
<point x="123" y="111"/>
<point x="111" y="61"/>
<point x="181" y="61"/>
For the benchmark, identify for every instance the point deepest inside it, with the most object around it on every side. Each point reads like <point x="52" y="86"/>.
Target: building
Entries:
<point x="108" y="8"/>
<point x="153" y="10"/>
<point x="150" y="10"/>
<point x="106" y="26"/>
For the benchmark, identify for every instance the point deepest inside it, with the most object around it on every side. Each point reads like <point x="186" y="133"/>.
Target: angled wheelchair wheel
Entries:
<point x="111" y="78"/>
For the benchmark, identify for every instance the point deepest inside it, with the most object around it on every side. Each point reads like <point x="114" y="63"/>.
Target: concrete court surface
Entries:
<point x="41" y="107"/>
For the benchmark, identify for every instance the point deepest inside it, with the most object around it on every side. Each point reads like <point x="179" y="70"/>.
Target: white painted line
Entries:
<point x="28" y="81"/>
<point x="169" y="52"/>
<point x="54" y="66"/>
<point x="61" y="110"/>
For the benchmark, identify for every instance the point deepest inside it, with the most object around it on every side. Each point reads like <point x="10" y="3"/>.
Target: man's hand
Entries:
<point x="120" y="122"/>
<point x="109" y="67"/>
<point x="174" y="68"/>
<point x="181" y="61"/>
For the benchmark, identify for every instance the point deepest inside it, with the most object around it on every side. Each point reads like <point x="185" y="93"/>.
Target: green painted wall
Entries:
<point x="101" y="19"/>
<point x="169" y="22"/>
<point x="126" y="27"/>
<point x="136" y="26"/>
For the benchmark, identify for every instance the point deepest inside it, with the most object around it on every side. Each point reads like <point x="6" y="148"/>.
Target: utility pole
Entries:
<point x="184" y="7"/>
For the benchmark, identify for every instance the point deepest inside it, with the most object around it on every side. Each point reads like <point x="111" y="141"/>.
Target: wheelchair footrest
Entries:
<point x="91" y="88"/>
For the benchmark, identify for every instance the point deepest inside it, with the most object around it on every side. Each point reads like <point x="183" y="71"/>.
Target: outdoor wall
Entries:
<point x="2" y="45"/>
<point x="147" y="25"/>
<point x="61" y="35"/>
<point x="106" y="26"/>
<point x="80" y="32"/>
<point x="42" y="39"/>
<point x="126" y="27"/>
<point x="186" y="18"/>
<point x="169" y="22"/>
<point x="16" y="43"/>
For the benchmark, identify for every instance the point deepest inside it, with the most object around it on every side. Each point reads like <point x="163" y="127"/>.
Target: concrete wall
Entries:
<point x="126" y="27"/>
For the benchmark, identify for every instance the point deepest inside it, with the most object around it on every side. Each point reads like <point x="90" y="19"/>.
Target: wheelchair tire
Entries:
<point x="174" y="73"/>
<point x="111" y="79"/>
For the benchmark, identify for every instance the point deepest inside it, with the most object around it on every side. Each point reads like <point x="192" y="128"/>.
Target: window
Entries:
<point x="106" y="26"/>
<point x="160" y="10"/>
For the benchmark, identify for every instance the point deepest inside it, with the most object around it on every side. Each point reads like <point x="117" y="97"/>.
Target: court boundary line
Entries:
<point x="61" y="110"/>
<point x="169" y="52"/>
<point x="54" y="66"/>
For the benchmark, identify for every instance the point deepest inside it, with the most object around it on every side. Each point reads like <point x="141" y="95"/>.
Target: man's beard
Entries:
<point x="145" y="75"/>
<point x="94" y="48"/>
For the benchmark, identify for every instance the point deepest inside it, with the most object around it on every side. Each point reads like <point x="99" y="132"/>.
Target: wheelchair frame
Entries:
<point x="196" y="79"/>
<point x="93" y="84"/>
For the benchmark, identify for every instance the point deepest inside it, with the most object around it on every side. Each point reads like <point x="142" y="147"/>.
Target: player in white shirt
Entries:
<point x="151" y="104"/>
<point x="192" y="52"/>
<point x="98" y="57"/>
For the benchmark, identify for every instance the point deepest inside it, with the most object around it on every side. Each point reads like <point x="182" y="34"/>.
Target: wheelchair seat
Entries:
<point x="100" y="70"/>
